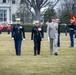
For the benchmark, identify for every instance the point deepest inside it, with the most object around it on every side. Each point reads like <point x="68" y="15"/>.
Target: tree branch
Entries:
<point x="44" y="3"/>
<point x="56" y="1"/>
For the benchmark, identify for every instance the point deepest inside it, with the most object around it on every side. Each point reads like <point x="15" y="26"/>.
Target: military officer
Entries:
<point x="75" y="30"/>
<point x="58" y="21"/>
<point x="65" y="29"/>
<point x="52" y="34"/>
<point x="18" y="34"/>
<point x="71" y="33"/>
<point x="37" y="36"/>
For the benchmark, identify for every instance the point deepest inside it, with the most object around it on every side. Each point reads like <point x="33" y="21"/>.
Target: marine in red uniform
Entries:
<point x="8" y="27"/>
<point x="1" y="27"/>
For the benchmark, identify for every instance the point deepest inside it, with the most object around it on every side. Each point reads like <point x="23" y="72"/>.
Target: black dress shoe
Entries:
<point x="71" y="46"/>
<point x="56" y="53"/>
<point x="34" y="54"/>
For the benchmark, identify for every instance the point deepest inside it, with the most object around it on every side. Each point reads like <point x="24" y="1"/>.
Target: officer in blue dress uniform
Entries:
<point x="37" y="36"/>
<point x="58" y="21"/>
<point x="75" y="30"/>
<point x="71" y="33"/>
<point x="66" y="29"/>
<point x="18" y="34"/>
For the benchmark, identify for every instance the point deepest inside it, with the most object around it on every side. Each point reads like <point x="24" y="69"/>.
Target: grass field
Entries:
<point x="28" y="64"/>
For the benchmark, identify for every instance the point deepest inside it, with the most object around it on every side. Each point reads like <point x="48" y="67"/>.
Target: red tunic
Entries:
<point x="1" y="27"/>
<point x="8" y="27"/>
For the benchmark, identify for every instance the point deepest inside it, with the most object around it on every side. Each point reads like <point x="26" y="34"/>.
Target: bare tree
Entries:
<point x="38" y="4"/>
<point x="69" y="5"/>
<point x="24" y="13"/>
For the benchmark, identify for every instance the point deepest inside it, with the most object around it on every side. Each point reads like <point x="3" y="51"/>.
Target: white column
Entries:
<point x="8" y="17"/>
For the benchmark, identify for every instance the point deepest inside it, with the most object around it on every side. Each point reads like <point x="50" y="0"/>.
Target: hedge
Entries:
<point x="28" y="28"/>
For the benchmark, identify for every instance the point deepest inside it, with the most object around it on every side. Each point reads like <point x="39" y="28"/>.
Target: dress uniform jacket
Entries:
<point x="58" y="28"/>
<point x="36" y="34"/>
<point x="18" y="32"/>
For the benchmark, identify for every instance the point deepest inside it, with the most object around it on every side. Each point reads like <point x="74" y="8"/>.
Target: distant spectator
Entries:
<point x="75" y="30"/>
<point x="8" y="27"/>
<point x="1" y="27"/>
<point x="71" y="33"/>
<point x="65" y="29"/>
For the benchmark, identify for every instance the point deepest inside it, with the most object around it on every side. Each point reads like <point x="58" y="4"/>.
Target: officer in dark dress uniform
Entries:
<point x="75" y="30"/>
<point x="71" y="33"/>
<point x="37" y="36"/>
<point x="58" y="21"/>
<point x="65" y="29"/>
<point x="18" y="35"/>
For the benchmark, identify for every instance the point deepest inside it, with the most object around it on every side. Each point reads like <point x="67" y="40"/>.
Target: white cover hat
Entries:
<point x="36" y="22"/>
<point x="18" y="19"/>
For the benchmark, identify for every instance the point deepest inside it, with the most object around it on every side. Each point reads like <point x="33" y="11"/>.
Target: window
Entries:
<point x="3" y="15"/>
<point x="4" y="1"/>
<point x="13" y="17"/>
<point x="13" y="1"/>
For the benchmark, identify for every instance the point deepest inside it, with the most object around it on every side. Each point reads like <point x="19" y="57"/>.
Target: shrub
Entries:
<point x="28" y="28"/>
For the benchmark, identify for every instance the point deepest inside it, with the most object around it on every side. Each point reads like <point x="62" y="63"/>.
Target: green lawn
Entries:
<point x="28" y="64"/>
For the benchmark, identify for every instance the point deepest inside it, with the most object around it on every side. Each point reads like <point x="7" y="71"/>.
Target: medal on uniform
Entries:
<point x="20" y="27"/>
<point x="39" y="29"/>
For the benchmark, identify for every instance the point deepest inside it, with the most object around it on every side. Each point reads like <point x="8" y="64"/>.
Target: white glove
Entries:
<point x="31" y="40"/>
<point x="42" y="38"/>
<point x="48" y="39"/>
<point x="12" y="38"/>
<point x="23" y="39"/>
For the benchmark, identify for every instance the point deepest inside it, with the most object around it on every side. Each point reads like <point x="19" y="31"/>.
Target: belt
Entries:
<point x="71" y="29"/>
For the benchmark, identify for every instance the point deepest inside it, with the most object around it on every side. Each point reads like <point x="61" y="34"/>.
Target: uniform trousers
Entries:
<point x="65" y="32"/>
<point x="75" y="33"/>
<point x="8" y="31"/>
<point x="58" y="40"/>
<point x="72" y="40"/>
<point x="53" y="44"/>
<point x="0" y="31"/>
<point x="37" y="47"/>
<point x="18" y="47"/>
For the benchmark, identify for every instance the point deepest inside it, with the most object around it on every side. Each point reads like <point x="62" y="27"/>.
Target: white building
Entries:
<point x="8" y="9"/>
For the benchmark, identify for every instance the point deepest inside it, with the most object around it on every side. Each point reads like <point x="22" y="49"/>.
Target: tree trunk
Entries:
<point x="37" y="14"/>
